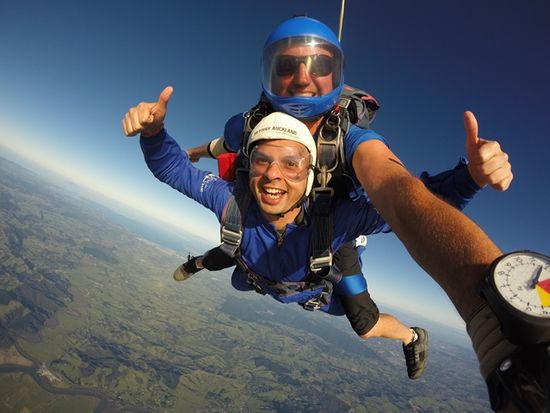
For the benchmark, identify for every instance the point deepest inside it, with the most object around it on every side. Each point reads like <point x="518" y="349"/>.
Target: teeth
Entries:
<point x="273" y="191"/>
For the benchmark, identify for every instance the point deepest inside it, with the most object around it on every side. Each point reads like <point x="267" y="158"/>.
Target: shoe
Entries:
<point x="187" y="269"/>
<point x="416" y="354"/>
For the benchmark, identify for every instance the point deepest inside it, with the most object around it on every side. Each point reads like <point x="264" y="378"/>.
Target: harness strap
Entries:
<point x="262" y="285"/>
<point x="232" y="221"/>
<point x="330" y="156"/>
<point x="320" y="261"/>
<point x="252" y="118"/>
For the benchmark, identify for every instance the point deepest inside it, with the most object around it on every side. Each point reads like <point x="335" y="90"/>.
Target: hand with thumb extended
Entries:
<point x="488" y="163"/>
<point x="147" y="118"/>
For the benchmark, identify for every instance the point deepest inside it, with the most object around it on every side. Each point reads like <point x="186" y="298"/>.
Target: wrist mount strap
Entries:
<point x="517" y="376"/>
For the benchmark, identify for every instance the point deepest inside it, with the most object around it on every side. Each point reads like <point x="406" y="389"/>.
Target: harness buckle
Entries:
<point x="319" y="263"/>
<point x="253" y="282"/>
<point x="317" y="302"/>
<point x="231" y="237"/>
<point x="328" y="143"/>
<point x="344" y="102"/>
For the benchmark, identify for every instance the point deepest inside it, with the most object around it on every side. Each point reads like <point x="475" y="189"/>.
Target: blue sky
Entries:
<point x="70" y="70"/>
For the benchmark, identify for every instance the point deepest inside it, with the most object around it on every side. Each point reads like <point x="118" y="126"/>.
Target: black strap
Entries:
<point x="330" y="160"/>
<point x="522" y="379"/>
<point x="232" y="222"/>
<point x="261" y="285"/>
<point x="320" y="261"/>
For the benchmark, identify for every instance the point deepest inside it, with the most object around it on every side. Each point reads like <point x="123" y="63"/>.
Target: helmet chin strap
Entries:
<point x="312" y="119"/>
<point x="298" y="204"/>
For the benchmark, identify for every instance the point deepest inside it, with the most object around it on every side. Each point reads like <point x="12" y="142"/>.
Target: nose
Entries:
<point x="273" y="172"/>
<point x="301" y="76"/>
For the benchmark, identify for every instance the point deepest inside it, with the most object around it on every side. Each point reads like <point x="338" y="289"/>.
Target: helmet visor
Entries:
<point x="305" y="64"/>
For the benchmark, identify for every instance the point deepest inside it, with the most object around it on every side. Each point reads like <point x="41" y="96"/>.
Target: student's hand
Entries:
<point x="193" y="156"/>
<point x="488" y="163"/>
<point x="147" y="118"/>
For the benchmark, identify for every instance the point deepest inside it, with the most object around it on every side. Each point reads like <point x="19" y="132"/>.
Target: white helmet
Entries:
<point x="279" y="125"/>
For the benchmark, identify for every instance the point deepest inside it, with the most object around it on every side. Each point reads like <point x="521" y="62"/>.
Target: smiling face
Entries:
<point x="276" y="188"/>
<point x="303" y="77"/>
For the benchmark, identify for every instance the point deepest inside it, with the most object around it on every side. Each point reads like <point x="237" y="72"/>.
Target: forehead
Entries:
<point x="304" y="50"/>
<point x="273" y="145"/>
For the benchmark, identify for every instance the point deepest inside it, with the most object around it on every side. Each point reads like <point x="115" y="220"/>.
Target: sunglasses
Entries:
<point x="317" y="65"/>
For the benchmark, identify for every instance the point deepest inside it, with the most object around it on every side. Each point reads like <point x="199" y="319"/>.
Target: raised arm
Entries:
<point x="167" y="161"/>
<point x="443" y="241"/>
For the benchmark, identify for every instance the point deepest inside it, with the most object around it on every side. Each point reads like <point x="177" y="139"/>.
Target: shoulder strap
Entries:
<point x="330" y="161"/>
<point x="233" y="217"/>
<point x="362" y="107"/>
<point x="320" y="261"/>
<point x="355" y="106"/>
<point x="232" y="220"/>
<point x="253" y="117"/>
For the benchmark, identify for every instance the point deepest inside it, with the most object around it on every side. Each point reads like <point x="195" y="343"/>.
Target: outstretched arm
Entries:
<point x="212" y="149"/>
<point x="447" y="244"/>
<point x="167" y="161"/>
<point x="229" y="142"/>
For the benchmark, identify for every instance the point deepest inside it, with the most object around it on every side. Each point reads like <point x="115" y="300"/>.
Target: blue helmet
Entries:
<point x="305" y="91"/>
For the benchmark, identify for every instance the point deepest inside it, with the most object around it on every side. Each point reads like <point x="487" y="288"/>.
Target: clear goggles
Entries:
<point x="294" y="163"/>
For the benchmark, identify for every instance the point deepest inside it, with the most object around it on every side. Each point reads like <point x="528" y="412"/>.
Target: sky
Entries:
<point x="69" y="70"/>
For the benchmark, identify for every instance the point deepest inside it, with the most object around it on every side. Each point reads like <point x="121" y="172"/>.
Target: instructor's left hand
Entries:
<point x="488" y="163"/>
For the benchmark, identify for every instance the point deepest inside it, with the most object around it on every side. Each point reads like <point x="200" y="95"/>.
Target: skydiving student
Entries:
<point x="302" y="75"/>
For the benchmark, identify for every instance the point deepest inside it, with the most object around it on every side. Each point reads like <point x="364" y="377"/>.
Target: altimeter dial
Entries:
<point x="517" y="289"/>
<point x="523" y="280"/>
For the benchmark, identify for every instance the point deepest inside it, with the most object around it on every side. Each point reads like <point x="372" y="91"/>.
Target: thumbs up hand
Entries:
<point x="488" y="163"/>
<point x="147" y="118"/>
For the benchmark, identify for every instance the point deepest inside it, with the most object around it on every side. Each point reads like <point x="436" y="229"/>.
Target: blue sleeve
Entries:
<point x="366" y="221"/>
<point x="170" y="164"/>
<point x="233" y="133"/>
<point x="456" y="186"/>
<point x="355" y="137"/>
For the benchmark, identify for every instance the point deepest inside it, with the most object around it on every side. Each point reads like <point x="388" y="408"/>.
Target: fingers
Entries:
<point x="192" y="156"/>
<point x="493" y="166"/>
<point x="147" y="116"/>
<point x="489" y="165"/>
<point x="500" y="179"/>
<point x="138" y="119"/>
<point x="504" y="184"/>
<point x="484" y="151"/>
